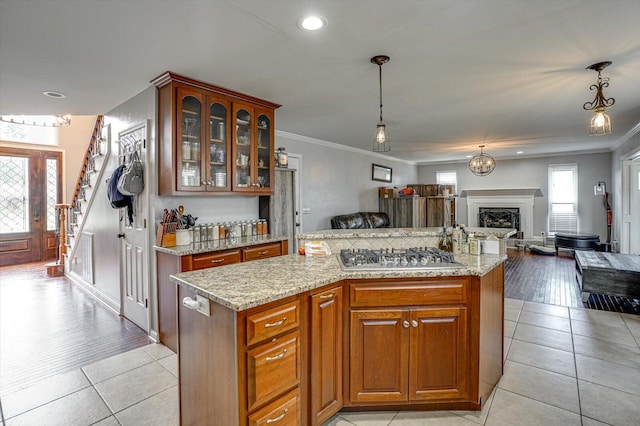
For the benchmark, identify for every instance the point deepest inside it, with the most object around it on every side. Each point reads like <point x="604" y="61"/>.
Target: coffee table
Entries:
<point x="608" y="273"/>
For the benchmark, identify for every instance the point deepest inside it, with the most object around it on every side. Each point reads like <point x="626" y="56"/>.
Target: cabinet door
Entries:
<point x="326" y="354"/>
<point x="243" y="152"/>
<point x="216" y="153"/>
<point x="438" y="367"/>
<point x="379" y="355"/>
<point x="263" y="157"/>
<point x="189" y="140"/>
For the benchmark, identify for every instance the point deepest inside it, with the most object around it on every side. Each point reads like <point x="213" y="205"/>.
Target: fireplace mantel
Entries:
<point x="504" y="192"/>
<point x="521" y="198"/>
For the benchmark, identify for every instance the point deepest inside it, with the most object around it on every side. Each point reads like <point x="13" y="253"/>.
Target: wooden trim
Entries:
<point x="169" y="77"/>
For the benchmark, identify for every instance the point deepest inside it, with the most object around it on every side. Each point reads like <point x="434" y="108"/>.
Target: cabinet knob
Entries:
<point x="414" y="323"/>
<point x="405" y="324"/>
<point x="328" y="296"/>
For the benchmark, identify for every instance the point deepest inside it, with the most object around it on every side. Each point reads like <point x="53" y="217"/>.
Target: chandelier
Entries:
<point x="600" y="122"/>
<point x="381" y="141"/>
<point x="38" y="120"/>
<point x="482" y="164"/>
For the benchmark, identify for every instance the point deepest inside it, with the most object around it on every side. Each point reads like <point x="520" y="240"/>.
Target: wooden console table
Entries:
<point x="608" y="273"/>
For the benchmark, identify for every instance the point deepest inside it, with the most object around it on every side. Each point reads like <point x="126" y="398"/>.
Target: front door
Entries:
<point x="135" y="245"/>
<point x="30" y="187"/>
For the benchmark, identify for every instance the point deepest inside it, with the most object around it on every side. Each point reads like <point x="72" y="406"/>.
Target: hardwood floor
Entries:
<point x="48" y="327"/>
<point x="544" y="279"/>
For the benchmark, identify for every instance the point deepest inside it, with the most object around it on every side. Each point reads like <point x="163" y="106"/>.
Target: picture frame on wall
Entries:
<point x="381" y="173"/>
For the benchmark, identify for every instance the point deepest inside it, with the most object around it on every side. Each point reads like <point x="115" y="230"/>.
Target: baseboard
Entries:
<point x="154" y="336"/>
<point x="106" y="300"/>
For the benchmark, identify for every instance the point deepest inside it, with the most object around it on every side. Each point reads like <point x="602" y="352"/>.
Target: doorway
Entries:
<point x="30" y="187"/>
<point x="630" y="201"/>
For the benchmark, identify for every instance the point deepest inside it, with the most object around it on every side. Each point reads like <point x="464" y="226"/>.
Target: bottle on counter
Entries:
<point x="456" y="240"/>
<point x="445" y="241"/>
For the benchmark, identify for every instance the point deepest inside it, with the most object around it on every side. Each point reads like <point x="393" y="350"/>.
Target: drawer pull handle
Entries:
<point x="414" y="323"/>
<point x="263" y="252"/>
<point x="328" y="296"/>
<point x="280" y="417"/>
<point x="275" y="324"/>
<point x="217" y="261"/>
<point x="279" y="356"/>
<point x="405" y="324"/>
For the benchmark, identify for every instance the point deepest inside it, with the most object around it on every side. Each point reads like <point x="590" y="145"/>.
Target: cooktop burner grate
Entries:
<point x="415" y="258"/>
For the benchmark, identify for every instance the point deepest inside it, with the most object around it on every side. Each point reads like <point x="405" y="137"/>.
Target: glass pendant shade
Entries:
<point x="381" y="141"/>
<point x="600" y="123"/>
<point x="482" y="164"/>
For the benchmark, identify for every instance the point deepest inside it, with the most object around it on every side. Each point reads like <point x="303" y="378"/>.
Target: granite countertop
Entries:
<point x="217" y="245"/>
<point x="400" y="232"/>
<point x="245" y="285"/>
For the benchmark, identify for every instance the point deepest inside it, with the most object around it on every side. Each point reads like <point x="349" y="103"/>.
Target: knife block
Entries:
<point x="166" y="234"/>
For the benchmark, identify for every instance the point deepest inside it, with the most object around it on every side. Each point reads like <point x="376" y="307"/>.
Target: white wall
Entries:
<point x="533" y="173"/>
<point x="337" y="179"/>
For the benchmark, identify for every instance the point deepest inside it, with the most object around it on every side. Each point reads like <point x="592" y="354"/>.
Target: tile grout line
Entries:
<point x="101" y="398"/>
<point x="575" y="366"/>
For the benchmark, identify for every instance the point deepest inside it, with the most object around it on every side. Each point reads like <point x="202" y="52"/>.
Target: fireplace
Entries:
<point x="499" y="217"/>
<point x="521" y="199"/>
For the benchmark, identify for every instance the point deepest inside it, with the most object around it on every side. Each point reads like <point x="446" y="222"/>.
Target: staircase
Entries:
<point x="96" y="156"/>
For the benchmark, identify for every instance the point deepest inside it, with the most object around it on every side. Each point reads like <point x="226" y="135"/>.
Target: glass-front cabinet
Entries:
<point x="252" y="149"/>
<point x="217" y="154"/>
<point x="212" y="140"/>
<point x="189" y="164"/>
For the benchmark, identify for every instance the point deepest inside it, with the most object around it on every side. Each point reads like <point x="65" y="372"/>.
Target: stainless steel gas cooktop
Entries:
<point x="416" y="258"/>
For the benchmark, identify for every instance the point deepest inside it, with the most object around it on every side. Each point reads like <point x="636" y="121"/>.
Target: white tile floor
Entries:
<point x="563" y="366"/>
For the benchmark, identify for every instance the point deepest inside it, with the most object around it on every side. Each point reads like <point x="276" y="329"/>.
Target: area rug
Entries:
<point x="605" y="302"/>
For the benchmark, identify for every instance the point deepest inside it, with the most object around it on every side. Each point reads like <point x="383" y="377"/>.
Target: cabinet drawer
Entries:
<point x="409" y="293"/>
<point x="283" y="411"/>
<point x="272" y="368"/>
<point x="208" y="260"/>
<point x="261" y="252"/>
<point x="272" y="322"/>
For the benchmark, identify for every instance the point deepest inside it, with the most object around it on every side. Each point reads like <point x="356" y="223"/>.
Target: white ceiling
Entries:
<point x="508" y="74"/>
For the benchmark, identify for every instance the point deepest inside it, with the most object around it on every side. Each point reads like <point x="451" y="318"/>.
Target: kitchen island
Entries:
<point x="294" y="339"/>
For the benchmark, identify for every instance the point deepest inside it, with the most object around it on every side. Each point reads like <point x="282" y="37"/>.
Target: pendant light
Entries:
<point x="381" y="141"/>
<point x="482" y="164"/>
<point x="600" y="122"/>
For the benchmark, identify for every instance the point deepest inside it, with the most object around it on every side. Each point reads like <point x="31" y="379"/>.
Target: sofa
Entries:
<point x="360" y="220"/>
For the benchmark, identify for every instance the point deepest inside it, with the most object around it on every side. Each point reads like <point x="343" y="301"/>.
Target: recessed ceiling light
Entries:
<point x="469" y="156"/>
<point x="54" y="94"/>
<point x="519" y="152"/>
<point x="312" y="23"/>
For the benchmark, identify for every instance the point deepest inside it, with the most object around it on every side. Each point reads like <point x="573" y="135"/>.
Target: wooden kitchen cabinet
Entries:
<point x="441" y="211"/>
<point x="400" y="351"/>
<point x="325" y="396"/>
<point x="229" y="382"/>
<point x="169" y="264"/>
<point x="212" y="140"/>
<point x="253" y="169"/>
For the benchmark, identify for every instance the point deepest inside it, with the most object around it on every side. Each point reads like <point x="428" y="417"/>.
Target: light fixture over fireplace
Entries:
<point x="482" y="164"/>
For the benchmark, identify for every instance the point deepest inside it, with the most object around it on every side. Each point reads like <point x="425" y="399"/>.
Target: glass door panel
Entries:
<point x="218" y="146"/>
<point x="191" y="142"/>
<point x="264" y="151"/>
<point x="243" y="157"/>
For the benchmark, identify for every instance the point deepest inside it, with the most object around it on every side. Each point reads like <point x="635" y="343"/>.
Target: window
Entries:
<point x="448" y="178"/>
<point x="563" y="198"/>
